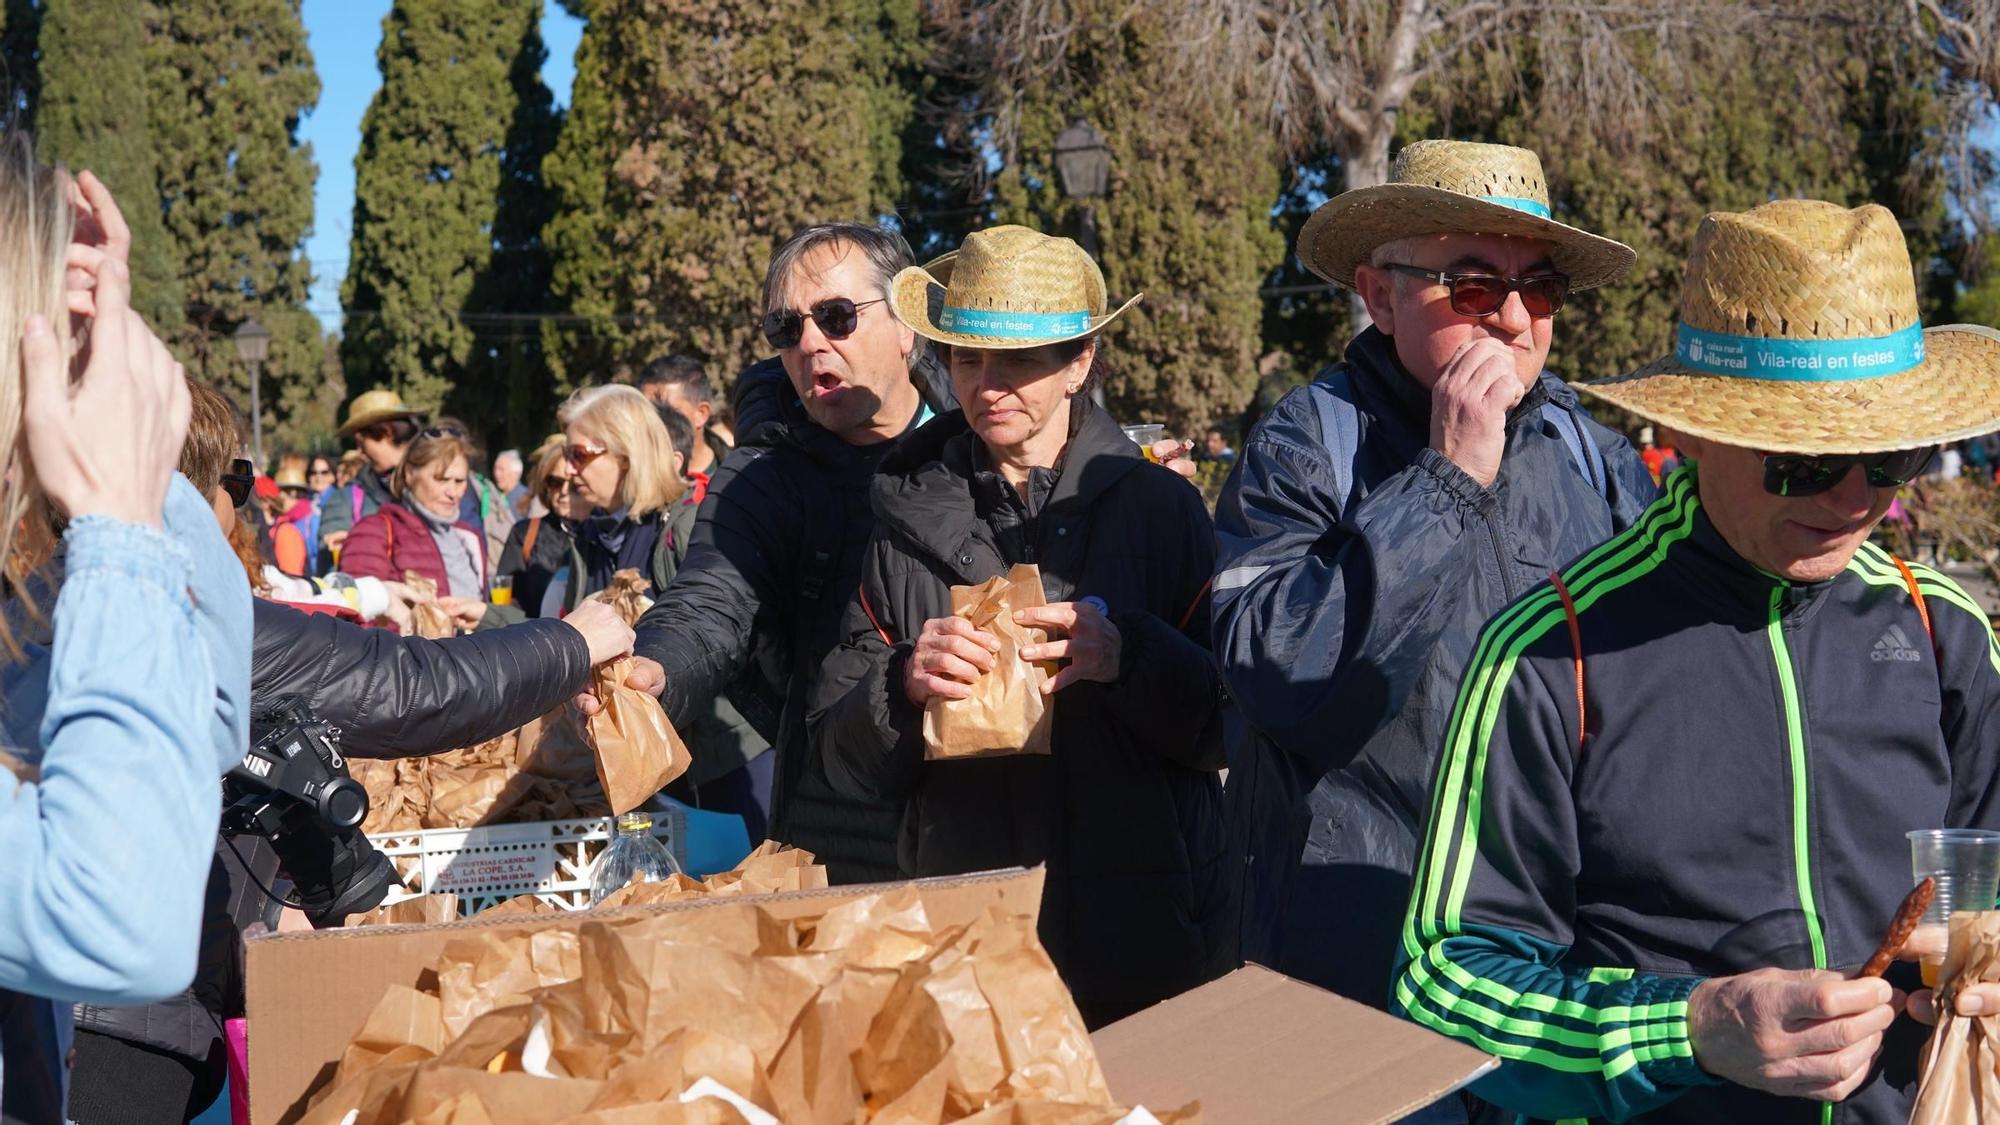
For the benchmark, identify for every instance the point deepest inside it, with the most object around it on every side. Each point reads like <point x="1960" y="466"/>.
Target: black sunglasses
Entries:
<point x="836" y="317"/>
<point x="436" y="432"/>
<point x="238" y="482"/>
<point x="1482" y="294"/>
<point x="1790" y="474"/>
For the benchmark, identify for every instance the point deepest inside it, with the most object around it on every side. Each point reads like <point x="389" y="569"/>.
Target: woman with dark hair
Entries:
<point x="1126" y="809"/>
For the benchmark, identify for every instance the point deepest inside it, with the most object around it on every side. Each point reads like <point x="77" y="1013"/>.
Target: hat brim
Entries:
<point x="376" y="417"/>
<point x="916" y="297"/>
<point x="1953" y="394"/>
<point x="1347" y="229"/>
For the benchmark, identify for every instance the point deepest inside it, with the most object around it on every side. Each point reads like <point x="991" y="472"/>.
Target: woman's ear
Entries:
<point x="1078" y="371"/>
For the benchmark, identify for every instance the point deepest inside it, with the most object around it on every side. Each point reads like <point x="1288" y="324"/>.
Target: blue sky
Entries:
<point x="344" y="35"/>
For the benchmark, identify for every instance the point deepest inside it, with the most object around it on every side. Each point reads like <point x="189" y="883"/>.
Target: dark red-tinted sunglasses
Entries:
<point x="1482" y="294"/>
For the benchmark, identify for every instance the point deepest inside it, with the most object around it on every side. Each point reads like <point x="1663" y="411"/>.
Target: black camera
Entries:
<point x="294" y="790"/>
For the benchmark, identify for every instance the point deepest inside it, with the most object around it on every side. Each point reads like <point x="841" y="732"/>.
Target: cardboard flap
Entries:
<point x="1258" y="1046"/>
<point x="308" y="993"/>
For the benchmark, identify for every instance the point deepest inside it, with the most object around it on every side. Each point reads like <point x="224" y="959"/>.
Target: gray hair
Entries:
<point x="886" y="252"/>
<point x="507" y="456"/>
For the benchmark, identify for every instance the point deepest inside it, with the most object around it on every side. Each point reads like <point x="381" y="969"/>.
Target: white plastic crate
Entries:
<point x="550" y="859"/>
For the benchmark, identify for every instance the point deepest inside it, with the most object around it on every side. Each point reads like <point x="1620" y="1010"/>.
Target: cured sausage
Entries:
<point x="1901" y="927"/>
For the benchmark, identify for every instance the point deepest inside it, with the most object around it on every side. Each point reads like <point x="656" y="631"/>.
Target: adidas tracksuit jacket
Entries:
<point x="1755" y="752"/>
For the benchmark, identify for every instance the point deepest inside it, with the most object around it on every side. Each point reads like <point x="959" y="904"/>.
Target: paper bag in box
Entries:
<point x="1006" y="713"/>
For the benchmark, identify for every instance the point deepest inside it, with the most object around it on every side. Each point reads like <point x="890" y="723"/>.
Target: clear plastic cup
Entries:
<point x="1965" y="862"/>
<point x="1144" y="435"/>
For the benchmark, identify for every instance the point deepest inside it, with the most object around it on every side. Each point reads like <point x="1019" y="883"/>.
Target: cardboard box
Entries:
<point x="1258" y="1046"/>
<point x="308" y="993"/>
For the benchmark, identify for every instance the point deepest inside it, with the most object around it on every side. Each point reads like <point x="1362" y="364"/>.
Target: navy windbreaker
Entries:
<point x="1755" y="752"/>
<point x="1343" y="617"/>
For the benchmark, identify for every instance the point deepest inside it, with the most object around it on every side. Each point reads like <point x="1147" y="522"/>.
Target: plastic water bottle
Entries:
<point x="634" y="851"/>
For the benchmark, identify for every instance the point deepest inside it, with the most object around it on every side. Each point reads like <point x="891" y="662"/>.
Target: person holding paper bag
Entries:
<point x="1124" y="803"/>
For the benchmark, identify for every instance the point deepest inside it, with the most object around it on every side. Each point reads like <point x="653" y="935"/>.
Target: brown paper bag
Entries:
<point x="638" y="751"/>
<point x="1960" y="1072"/>
<point x="427" y="618"/>
<point x="1007" y="713"/>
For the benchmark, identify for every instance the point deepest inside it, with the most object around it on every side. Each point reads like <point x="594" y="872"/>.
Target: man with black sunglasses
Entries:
<point x="1379" y="515"/>
<point x="776" y="550"/>
<point x="1670" y="816"/>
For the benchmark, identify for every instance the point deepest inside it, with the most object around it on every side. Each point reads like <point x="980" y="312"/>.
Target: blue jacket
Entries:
<point x="118" y="730"/>
<point x="1730" y="793"/>
<point x="1351" y="583"/>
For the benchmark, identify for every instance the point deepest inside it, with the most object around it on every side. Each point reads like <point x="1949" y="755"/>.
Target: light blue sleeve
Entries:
<point x="221" y="614"/>
<point x="105" y="850"/>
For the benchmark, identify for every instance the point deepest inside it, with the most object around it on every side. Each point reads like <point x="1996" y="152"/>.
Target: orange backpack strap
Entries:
<point x="1576" y="646"/>
<point x="1917" y="596"/>
<point x="389" y="539"/>
<point x="872" y="619"/>
<point x="528" y="540"/>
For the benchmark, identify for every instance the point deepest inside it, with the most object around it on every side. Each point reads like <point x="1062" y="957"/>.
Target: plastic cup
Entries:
<point x="503" y="589"/>
<point x="1144" y="436"/>
<point x="1965" y="862"/>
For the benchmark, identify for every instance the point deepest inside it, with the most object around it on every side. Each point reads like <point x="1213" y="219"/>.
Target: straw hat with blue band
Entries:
<point x="1455" y="187"/>
<point x="1004" y="288"/>
<point x="1798" y="333"/>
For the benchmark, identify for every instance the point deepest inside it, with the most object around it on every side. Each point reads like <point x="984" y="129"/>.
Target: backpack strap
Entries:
<point x="354" y="503"/>
<point x="528" y="540"/>
<point x="1339" y="428"/>
<point x="389" y="539"/>
<point x="1917" y="596"/>
<point x="1576" y="647"/>
<point x="1584" y="452"/>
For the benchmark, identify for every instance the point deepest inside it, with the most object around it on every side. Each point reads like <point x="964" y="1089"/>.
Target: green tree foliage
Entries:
<point x="229" y="81"/>
<point x="92" y="114"/>
<point x="428" y="188"/>
<point x="700" y="135"/>
<point x="1187" y="221"/>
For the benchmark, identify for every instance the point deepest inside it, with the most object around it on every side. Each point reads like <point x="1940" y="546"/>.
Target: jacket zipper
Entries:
<point x="1795" y="738"/>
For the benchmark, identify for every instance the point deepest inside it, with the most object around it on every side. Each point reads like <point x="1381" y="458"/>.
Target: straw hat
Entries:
<point x="1799" y="334"/>
<point x="1454" y="187"/>
<point x="291" y="476"/>
<point x="371" y="407"/>
<point x="1006" y="287"/>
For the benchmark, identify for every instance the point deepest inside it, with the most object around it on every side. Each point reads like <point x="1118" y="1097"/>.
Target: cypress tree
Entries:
<point x="1187" y="220"/>
<point x="229" y="82"/>
<point x="427" y="193"/>
<point x="92" y="114"/>
<point x="699" y="136"/>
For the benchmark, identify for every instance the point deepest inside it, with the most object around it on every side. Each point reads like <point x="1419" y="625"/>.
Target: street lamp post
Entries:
<point x="1083" y="164"/>
<point x="253" y="343"/>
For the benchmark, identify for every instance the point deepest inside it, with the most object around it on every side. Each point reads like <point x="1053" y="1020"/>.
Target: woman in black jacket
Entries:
<point x="1126" y="811"/>
<point x="538" y="547"/>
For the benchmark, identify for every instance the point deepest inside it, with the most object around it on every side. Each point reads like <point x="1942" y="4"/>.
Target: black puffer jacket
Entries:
<point x="756" y="606"/>
<point x="1127" y="811"/>
<point x="391" y="697"/>
<point x="549" y="553"/>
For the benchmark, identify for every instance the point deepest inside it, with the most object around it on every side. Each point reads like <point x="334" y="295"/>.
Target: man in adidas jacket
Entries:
<point x="1669" y="820"/>
<point x="1378" y="516"/>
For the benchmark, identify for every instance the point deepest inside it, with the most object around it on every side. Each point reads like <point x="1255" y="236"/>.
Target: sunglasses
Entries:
<point x="836" y="317"/>
<point x="238" y="482"/>
<point x="436" y="432"/>
<point x="400" y="431"/>
<point x="1483" y="294"/>
<point x="1790" y="474"/>
<point x="580" y="456"/>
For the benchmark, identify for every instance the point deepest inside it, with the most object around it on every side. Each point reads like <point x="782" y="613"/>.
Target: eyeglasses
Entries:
<point x="238" y="482"/>
<point x="1790" y="474"/>
<point x="580" y="456"/>
<point x="1483" y="294"/>
<point x="837" y="317"/>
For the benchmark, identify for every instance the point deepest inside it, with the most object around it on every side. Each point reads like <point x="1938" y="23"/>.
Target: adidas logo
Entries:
<point x="1895" y="645"/>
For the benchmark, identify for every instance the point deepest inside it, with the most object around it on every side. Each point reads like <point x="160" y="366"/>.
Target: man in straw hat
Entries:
<point x="1380" y="514"/>
<point x="1670" y="815"/>
<point x="382" y="429"/>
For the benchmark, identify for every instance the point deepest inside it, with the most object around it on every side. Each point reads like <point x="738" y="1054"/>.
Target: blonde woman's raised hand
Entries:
<point x="100" y="236"/>
<point x="108" y="445"/>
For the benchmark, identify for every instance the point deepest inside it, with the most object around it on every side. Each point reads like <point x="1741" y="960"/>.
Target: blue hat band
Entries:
<point x="1799" y="361"/>
<point x="1000" y="324"/>
<point x="1533" y="207"/>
